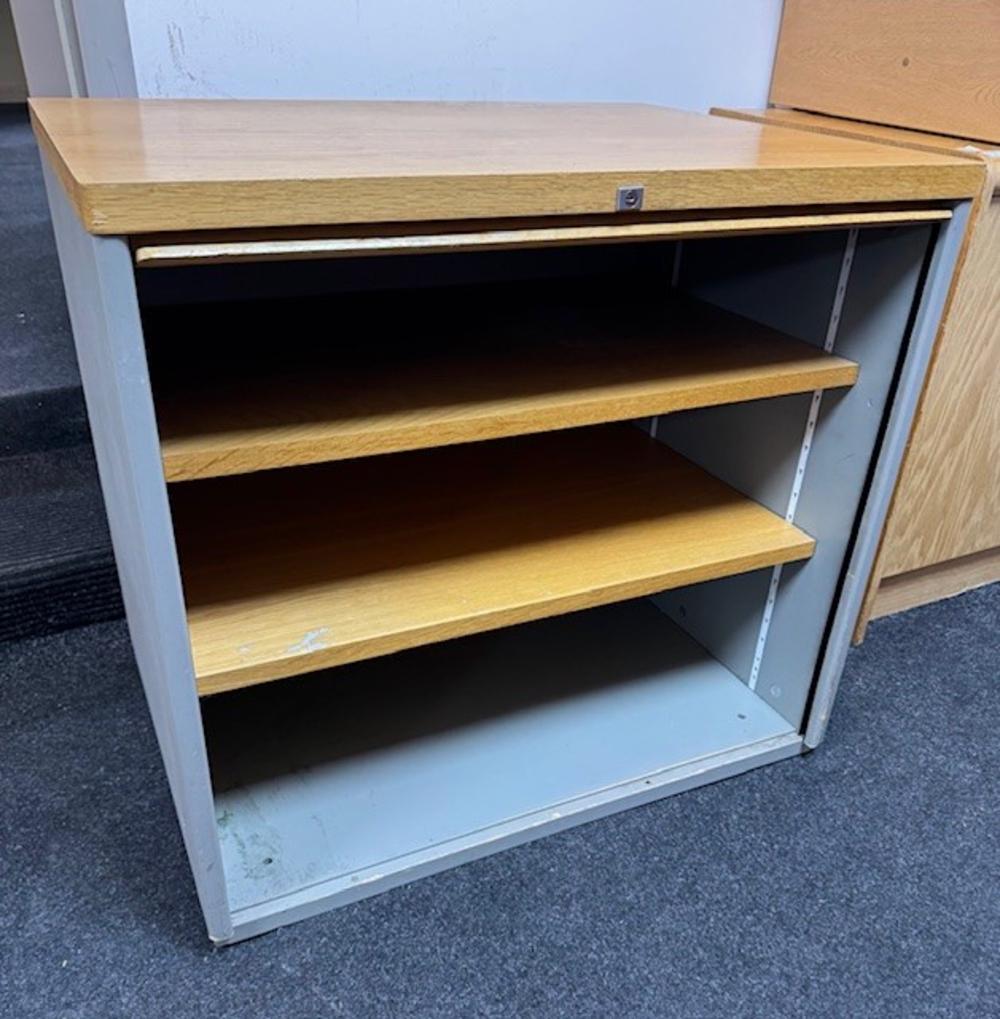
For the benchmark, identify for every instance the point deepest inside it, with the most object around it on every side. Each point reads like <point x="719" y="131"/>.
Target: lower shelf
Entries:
<point x="338" y="786"/>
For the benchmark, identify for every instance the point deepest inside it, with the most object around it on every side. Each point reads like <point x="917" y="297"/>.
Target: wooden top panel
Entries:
<point x="291" y="571"/>
<point x="930" y="65"/>
<point x="139" y="166"/>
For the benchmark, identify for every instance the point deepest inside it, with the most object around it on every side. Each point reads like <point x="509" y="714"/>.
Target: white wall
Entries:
<point x="685" y="53"/>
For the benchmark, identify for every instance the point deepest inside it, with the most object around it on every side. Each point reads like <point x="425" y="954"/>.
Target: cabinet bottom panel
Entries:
<point x="327" y="791"/>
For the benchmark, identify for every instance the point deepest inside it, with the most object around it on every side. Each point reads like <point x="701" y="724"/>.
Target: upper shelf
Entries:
<point x="147" y="166"/>
<point x="378" y="373"/>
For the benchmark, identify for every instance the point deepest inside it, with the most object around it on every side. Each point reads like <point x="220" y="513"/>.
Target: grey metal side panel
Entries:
<point x="752" y="446"/>
<point x="755" y="446"/>
<point x="100" y="291"/>
<point x="876" y="312"/>
<point x="757" y="276"/>
<point x="887" y="467"/>
<point x="724" y="616"/>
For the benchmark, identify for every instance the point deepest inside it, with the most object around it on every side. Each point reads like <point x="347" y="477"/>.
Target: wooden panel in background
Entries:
<point x="924" y="64"/>
<point x="291" y="571"/>
<point x="843" y="127"/>
<point x="943" y="580"/>
<point x="380" y="373"/>
<point x="146" y="166"/>
<point x="947" y="501"/>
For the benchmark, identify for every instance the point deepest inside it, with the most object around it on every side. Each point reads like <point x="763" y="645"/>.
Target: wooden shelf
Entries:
<point x="293" y="571"/>
<point x="407" y="371"/>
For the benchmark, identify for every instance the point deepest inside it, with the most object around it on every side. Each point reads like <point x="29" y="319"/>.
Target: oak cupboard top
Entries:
<point x="136" y="166"/>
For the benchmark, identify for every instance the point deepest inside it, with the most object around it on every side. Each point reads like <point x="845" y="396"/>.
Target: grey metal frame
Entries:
<point x="890" y="456"/>
<point x="880" y="300"/>
<point x="100" y="291"/>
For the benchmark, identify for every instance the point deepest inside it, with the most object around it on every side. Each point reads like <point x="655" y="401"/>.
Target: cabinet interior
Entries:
<point x="472" y="543"/>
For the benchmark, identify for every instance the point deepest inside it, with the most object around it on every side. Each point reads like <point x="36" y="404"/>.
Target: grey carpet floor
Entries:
<point x="860" y="880"/>
<point x="41" y="403"/>
<point x="56" y="567"/>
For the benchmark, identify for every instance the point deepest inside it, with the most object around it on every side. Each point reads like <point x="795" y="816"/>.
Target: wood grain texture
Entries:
<point x="142" y="166"/>
<point x="942" y="580"/>
<point x="948" y="498"/>
<point x="390" y="372"/>
<point x="236" y="248"/>
<point x="920" y="64"/>
<point x="292" y="571"/>
<point x="843" y="127"/>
